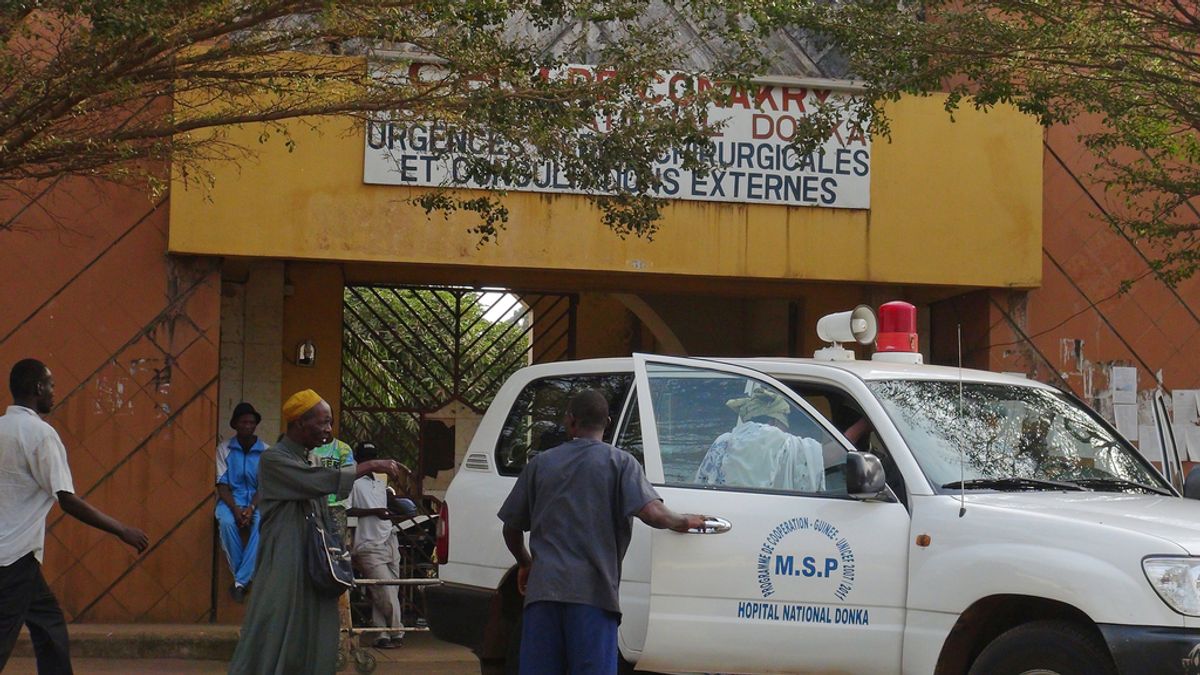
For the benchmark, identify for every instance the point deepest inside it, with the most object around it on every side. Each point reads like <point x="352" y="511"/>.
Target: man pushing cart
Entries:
<point x="386" y="542"/>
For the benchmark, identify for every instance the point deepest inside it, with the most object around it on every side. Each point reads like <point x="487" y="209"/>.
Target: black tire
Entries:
<point x="1056" y="647"/>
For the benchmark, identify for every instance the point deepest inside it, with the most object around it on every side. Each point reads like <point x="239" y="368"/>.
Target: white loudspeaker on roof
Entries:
<point x="857" y="325"/>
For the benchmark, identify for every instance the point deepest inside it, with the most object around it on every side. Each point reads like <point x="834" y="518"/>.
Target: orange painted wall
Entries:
<point x="312" y="310"/>
<point x="131" y="335"/>
<point x="1152" y="327"/>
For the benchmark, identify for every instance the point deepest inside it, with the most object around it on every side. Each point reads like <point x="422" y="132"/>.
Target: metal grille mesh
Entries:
<point x="412" y="350"/>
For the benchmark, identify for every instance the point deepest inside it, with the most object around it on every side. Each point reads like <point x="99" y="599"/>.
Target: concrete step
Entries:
<point x="146" y="641"/>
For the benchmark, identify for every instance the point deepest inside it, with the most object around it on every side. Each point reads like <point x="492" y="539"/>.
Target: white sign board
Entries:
<point x="756" y="163"/>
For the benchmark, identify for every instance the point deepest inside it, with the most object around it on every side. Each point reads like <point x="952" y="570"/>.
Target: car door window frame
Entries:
<point x="503" y="441"/>
<point x="653" y="460"/>
<point x="627" y="411"/>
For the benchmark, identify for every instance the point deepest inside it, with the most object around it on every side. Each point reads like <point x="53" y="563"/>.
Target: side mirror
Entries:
<point x="864" y="475"/>
<point x="1191" y="486"/>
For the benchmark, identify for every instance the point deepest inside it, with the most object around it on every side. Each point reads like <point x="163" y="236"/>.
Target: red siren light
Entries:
<point x="897" y="327"/>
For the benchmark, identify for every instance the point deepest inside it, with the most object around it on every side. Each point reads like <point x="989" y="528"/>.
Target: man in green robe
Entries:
<point x="289" y="628"/>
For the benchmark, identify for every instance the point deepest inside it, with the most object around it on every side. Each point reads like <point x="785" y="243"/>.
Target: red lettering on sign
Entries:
<point x="762" y="126"/>
<point x="794" y="96"/>
<point x="739" y="96"/>
<point x="785" y="135"/>
<point x="649" y="94"/>
<point x="857" y="136"/>
<point x="765" y="94"/>
<point x="677" y="93"/>
<point x="414" y="71"/>
<point x="577" y="74"/>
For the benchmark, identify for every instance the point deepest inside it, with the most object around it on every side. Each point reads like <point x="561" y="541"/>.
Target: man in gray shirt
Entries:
<point x="577" y="502"/>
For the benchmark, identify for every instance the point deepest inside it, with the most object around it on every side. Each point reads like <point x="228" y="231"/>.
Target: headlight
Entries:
<point x="1177" y="581"/>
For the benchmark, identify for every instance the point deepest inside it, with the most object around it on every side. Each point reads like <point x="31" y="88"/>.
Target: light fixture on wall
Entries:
<point x="306" y="354"/>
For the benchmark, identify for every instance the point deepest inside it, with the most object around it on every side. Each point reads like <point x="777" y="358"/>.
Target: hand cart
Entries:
<point x="410" y="581"/>
<point x="364" y="658"/>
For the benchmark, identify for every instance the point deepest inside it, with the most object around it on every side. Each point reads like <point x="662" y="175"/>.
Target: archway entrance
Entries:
<point x="420" y="364"/>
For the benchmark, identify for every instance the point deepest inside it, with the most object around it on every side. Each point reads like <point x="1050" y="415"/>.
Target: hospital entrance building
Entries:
<point x="311" y="268"/>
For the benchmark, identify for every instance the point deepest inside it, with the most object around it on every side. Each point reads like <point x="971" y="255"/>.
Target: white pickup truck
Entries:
<point x="983" y="523"/>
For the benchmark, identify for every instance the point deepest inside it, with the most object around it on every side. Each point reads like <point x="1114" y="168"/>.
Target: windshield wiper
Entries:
<point x="1120" y="484"/>
<point x="1013" y="483"/>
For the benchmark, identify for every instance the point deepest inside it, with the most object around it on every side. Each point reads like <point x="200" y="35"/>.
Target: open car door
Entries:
<point x="1172" y="465"/>
<point x="794" y="575"/>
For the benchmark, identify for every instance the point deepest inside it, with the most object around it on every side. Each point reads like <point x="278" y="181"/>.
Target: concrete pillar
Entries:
<point x="251" y="351"/>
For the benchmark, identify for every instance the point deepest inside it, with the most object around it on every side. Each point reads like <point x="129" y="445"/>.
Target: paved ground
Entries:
<point x="26" y="666"/>
<point x="422" y="654"/>
<point x="181" y="667"/>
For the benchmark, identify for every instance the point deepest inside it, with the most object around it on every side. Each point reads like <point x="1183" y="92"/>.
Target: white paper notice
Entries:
<point x="1127" y="420"/>
<point x="1123" y="381"/>
<point x="1180" y="436"/>
<point x="1148" y="443"/>
<point x="1187" y="422"/>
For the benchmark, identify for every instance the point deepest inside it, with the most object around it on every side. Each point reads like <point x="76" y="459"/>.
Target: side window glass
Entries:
<point x="534" y="423"/>
<point x="724" y="430"/>
<point x="819" y="402"/>
<point x="629" y="438"/>
<point x="835" y="479"/>
<point x="840" y="410"/>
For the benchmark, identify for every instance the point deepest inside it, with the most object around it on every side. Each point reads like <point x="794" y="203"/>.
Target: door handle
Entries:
<point x="713" y="525"/>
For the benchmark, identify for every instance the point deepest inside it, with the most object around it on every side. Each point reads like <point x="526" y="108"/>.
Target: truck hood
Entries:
<point x="1172" y="519"/>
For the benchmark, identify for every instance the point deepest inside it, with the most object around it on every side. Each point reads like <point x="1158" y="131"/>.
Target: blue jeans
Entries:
<point x="561" y="638"/>
<point x="241" y="557"/>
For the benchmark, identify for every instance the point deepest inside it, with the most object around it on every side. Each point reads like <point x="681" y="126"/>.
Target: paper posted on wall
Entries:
<point x="1123" y="382"/>
<point x="1126" y="417"/>
<point x="1148" y="443"/>
<point x="1186" y="413"/>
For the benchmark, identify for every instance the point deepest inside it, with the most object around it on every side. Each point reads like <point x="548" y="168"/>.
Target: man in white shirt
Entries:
<point x="376" y="549"/>
<point x="33" y="475"/>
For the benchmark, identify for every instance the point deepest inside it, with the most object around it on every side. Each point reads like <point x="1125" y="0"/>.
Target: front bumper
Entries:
<point x="1153" y="650"/>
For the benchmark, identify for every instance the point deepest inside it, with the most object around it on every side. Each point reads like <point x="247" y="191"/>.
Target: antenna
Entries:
<point x="962" y="460"/>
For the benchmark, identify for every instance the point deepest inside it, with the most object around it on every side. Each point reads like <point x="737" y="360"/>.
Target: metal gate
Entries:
<point x="409" y="351"/>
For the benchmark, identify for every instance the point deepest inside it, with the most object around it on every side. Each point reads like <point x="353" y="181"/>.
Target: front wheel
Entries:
<point x="1045" y="648"/>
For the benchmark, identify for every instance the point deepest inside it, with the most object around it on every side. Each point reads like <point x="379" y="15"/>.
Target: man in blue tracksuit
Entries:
<point x="237" y="496"/>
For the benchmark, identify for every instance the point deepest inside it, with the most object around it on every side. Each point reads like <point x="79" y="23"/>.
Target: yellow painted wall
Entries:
<point x="603" y="327"/>
<point x="955" y="203"/>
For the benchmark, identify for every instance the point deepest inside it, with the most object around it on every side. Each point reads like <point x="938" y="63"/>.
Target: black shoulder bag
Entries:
<point x="326" y="558"/>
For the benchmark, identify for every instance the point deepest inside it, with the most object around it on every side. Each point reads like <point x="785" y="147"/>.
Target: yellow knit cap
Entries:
<point x="762" y="403"/>
<point x="298" y="404"/>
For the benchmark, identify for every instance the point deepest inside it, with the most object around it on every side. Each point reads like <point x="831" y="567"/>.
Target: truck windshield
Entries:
<point x="1012" y="438"/>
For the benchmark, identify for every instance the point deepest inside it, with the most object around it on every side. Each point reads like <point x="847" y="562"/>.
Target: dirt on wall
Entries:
<point x="131" y="335"/>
